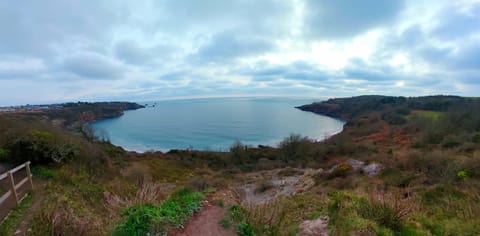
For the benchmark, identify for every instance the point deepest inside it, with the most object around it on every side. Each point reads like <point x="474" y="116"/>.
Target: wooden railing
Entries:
<point x="14" y="187"/>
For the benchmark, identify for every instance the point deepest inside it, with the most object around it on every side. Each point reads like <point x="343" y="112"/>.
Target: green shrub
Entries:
<point x="4" y="154"/>
<point x="394" y="118"/>
<point x="463" y="175"/>
<point x="237" y="216"/>
<point x="450" y="143"/>
<point x="295" y="147"/>
<point x="245" y="229"/>
<point x="341" y="171"/>
<point x="144" y="219"/>
<point x="390" y="152"/>
<point x="382" y="213"/>
<point x="41" y="147"/>
<point x="237" y="213"/>
<point x="350" y="213"/>
<point x="43" y="172"/>
<point x="239" y="152"/>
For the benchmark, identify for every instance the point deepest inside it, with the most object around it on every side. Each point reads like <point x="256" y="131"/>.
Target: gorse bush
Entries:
<point x="341" y="171"/>
<point x="41" y="147"/>
<point x="147" y="219"/>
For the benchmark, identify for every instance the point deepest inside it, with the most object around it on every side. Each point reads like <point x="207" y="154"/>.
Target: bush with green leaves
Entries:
<point x="341" y="170"/>
<point x="295" y="147"/>
<point x="245" y="229"/>
<point x="43" y="172"/>
<point x="145" y="219"/>
<point x="41" y="147"/>
<point x="4" y="153"/>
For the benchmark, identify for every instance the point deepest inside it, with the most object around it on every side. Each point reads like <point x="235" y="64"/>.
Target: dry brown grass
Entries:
<point x="146" y="193"/>
<point x="64" y="222"/>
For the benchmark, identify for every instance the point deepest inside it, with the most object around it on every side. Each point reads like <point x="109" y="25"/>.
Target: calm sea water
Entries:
<point x="215" y="123"/>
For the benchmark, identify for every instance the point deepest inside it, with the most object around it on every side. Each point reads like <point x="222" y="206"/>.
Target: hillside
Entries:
<point x="401" y="166"/>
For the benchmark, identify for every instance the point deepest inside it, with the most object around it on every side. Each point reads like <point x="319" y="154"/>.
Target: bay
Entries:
<point x="215" y="123"/>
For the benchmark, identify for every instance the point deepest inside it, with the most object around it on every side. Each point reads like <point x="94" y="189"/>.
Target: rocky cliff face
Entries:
<point x="73" y="114"/>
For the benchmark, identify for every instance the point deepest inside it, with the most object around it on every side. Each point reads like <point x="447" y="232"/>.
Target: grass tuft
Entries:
<point x="144" y="219"/>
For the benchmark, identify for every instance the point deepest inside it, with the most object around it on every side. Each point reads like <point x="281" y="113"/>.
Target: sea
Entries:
<point x="214" y="124"/>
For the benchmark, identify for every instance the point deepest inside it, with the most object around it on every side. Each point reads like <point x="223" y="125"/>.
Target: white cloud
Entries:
<point x="158" y="49"/>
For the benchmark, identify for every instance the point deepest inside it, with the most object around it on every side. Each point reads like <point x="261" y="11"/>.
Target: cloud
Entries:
<point x="458" y="23"/>
<point x="214" y="16"/>
<point x="91" y="65"/>
<point x="42" y="28"/>
<point x="299" y="71"/>
<point x="14" y="68"/>
<point x="156" y="49"/>
<point x="344" y="18"/>
<point x="228" y="46"/>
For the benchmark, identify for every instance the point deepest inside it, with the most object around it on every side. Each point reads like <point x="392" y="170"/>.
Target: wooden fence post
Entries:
<point x="29" y="174"/>
<point x="12" y="186"/>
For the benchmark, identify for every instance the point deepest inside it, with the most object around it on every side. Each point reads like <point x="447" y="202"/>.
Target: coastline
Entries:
<point x="139" y="147"/>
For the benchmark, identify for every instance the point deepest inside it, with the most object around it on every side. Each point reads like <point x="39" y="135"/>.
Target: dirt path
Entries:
<point x="38" y="196"/>
<point x="206" y="222"/>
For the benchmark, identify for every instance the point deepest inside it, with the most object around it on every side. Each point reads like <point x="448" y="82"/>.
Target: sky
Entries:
<point x="68" y="50"/>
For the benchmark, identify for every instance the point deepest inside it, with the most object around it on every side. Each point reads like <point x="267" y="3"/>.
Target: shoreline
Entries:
<point x="272" y="144"/>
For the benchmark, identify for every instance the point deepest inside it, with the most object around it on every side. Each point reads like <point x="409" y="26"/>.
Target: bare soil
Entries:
<point x="207" y="220"/>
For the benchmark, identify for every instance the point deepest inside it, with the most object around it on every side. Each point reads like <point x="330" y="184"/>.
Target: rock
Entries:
<point x="313" y="172"/>
<point x="356" y="164"/>
<point x="316" y="227"/>
<point x="372" y="169"/>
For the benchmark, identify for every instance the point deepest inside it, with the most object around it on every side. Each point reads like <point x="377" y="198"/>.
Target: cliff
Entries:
<point x="73" y="114"/>
<point x="352" y="107"/>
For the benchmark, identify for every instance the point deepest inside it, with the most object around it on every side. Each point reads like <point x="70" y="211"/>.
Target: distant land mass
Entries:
<point x="75" y="113"/>
<point x="348" y="108"/>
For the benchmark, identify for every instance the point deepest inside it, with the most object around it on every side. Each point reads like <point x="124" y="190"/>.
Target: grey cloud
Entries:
<point x="93" y="66"/>
<point x="300" y="71"/>
<point x="467" y="58"/>
<point x="133" y="52"/>
<point x="42" y="27"/>
<point x="358" y="69"/>
<point x="130" y="51"/>
<point x="249" y="16"/>
<point x="228" y="46"/>
<point x="455" y="24"/>
<point x="14" y="68"/>
<point x="344" y="18"/>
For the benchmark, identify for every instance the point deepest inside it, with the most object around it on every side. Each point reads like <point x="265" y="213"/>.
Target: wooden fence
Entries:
<point x="14" y="187"/>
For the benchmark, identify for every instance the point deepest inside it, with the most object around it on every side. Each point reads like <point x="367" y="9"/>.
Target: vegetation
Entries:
<point x="8" y="225"/>
<point x="429" y="148"/>
<point x="147" y="219"/>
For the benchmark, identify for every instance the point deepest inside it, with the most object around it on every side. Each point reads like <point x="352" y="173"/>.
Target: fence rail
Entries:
<point x="14" y="187"/>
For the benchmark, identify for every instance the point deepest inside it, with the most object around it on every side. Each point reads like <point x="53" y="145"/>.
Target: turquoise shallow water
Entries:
<point x="215" y="123"/>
